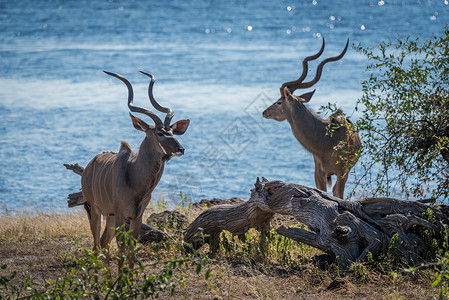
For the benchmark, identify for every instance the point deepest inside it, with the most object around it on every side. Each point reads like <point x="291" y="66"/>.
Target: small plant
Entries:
<point x="441" y="277"/>
<point x="395" y="295"/>
<point x="185" y="201"/>
<point x="390" y="258"/>
<point x="263" y="247"/>
<point x="359" y="271"/>
<point x="435" y="241"/>
<point x="160" y="205"/>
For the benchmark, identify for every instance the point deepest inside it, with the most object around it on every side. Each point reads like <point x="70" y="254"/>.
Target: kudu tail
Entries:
<point x="75" y="168"/>
<point x="329" y="181"/>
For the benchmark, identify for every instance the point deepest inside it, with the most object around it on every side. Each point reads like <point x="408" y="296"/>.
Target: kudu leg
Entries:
<point x="320" y="177"/>
<point x="107" y="236"/>
<point x="339" y="188"/>
<point x="95" y="226"/>
<point x="121" y="240"/>
<point x="135" y="226"/>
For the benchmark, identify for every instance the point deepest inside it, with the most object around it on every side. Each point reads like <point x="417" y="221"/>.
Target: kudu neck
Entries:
<point x="150" y="151"/>
<point x="148" y="166"/>
<point x="308" y="128"/>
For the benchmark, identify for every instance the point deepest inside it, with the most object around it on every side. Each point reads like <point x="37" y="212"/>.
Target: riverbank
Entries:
<point x="44" y="246"/>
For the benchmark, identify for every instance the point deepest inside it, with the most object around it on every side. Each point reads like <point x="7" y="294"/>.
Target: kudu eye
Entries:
<point x="279" y="103"/>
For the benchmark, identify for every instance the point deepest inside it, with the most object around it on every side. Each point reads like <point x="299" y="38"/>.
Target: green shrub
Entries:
<point x="87" y="277"/>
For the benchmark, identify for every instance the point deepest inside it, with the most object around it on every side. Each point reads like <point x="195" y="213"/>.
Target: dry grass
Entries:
<point x="46" y="241"/>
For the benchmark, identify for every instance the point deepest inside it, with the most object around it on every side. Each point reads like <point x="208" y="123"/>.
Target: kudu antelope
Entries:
<point x="119" y="185"/>
<point x="330" y="157"/>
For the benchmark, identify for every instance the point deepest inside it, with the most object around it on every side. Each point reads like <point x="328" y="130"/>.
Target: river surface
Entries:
<point x="217" y="63"/>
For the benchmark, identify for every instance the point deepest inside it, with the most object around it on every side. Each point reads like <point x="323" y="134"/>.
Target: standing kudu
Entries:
<point x="334" y="151"/>
<point x="119" y="185"/>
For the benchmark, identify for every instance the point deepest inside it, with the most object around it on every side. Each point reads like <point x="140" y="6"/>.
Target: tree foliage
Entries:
<point x="404" y="117"/>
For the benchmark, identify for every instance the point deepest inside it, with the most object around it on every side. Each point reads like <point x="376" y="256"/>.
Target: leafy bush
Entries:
<point x="404" y="125"/>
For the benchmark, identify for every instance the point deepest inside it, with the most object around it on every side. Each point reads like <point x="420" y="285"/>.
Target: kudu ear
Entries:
<point x="139" y="124"/>
<point x="287" y="93"/>
<point x="180" y="127"/>
<point x="306" y="97"/>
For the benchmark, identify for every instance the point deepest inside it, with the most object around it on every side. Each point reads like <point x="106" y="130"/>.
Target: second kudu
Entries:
<point x="334" y="151"/>
<point x="119" y="185"/>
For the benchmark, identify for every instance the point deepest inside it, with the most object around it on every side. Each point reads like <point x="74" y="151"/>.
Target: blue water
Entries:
<point x="218" y="63"/>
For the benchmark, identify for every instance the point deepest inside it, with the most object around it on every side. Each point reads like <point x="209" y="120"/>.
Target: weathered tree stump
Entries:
<point x="347" y="229"/>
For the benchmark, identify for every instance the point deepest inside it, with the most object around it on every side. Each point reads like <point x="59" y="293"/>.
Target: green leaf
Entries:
<point x="437" y="281"/>
<point x="198" y="268"/>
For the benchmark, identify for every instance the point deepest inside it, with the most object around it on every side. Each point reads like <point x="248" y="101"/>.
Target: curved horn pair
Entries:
<point x="298" y="84"/>
<point x="156" y="105"/>
<point x="145" y="111"/>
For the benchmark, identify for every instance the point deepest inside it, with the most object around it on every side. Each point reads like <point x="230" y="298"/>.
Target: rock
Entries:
<point x="337" y="284"/>
<point x="168" y="220"/>
<point x="149" y="234"/>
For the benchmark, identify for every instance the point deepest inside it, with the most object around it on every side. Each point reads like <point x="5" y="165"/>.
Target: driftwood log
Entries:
<point x="349" y="230"/>
<point x="75" y="199"/>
